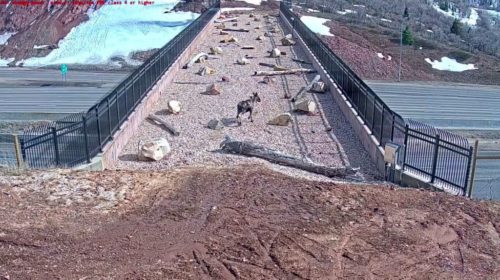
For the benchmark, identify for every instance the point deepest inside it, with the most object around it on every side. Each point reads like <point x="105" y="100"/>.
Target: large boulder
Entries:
<point x="306" y="106"/>
<point x="174" y="106"/>
<point x="154" y="150"/>
<point x="281" y="120"/>
<point x="287" y="41"/>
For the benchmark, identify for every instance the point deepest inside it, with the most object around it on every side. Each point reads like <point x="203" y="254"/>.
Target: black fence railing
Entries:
<point x="79" y="137"/>
<point x="437" y="156"/>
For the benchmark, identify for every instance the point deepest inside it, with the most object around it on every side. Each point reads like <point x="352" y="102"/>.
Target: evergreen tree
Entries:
<point x="407" y="37"/>
<point x="444" y="5"/>
<point x="456" y="27"/>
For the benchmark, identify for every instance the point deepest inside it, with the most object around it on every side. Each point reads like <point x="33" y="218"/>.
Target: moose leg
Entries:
<point x="250" y="115"/>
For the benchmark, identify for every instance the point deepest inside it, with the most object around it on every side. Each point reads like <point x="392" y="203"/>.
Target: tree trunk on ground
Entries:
<point x="291" y="71"/>
<point x="249" y="149"/>
<point x="306" y="88"/>
<point x="169" y="128"/>
<point x="195" y="58"/>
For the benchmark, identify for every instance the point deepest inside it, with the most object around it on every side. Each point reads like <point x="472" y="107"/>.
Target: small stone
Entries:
<point x="155" y="150"/>
<point x="213" y="89"/>
<point x="243" y="61"/>
<point x="260" y="38"/>
<point x="215" y="124"/>
<point x="269" y="80"/>
<point x="216" y="50"/>
<point x="205" y="70"/>
<point x="287" y="42"/>
<point x="235" y="24"/>
<point x="251" y="15"/>
<point x="275" y="53"/>
<point x="319" y="87"/>
<point x="281" y="120"/>
<point x="225" y="79"/>
<point x="223" y="32"/>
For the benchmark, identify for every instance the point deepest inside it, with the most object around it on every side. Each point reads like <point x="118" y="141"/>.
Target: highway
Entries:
<point x="464" y="108"/>
<point x="32" y="94"/>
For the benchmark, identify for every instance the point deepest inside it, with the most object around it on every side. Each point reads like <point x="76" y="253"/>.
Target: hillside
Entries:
<point x="237" y="223"/>
<point x="368" y="38"/>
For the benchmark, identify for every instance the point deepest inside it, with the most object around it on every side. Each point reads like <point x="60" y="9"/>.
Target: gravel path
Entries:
<point x="307" y="138"/>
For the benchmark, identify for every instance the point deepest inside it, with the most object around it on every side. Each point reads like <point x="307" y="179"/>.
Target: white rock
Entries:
<point x="174" y="106"/>
<point x="155" y="150"/>
<point x="307" y="106"/>
<point x="205" y="70"/>
<point x="243" y="61"/>
<point x="216" y="50"/>
<point x="282" y="120"/>
<point x="275" y="53"/>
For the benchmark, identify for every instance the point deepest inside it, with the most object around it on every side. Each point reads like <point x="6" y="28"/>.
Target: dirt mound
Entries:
<point x="239" y="223"/>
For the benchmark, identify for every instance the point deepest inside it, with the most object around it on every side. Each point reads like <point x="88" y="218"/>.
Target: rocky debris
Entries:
<point x="215" y="124"/>
<point x="220" y="26"/>
<point x="248" y="23"/>
<point x="288" y="40"/>
<point x="174" y="107"/>
<point x="281" y="120"/>
<point x="274" y="30"/>
<point x="154" y="150"/>
<point x="319" y="87"/>
<point x="275" y="53"/>
<point x="256" y="19"/>
<point x="266" y="34"/>
<point x="222" y="32"/>
<point x="235" y="24"/>
<point x="216" y="50"/>
<point x="225" y="79"/>
<point x="213" y="89"/>
<point x="205" y="70"/>
<point x="260" y="38"/>
<point x="251" y="15"/>
<point x="269" y="80"/>
<point x="306" y="106"/>
<point x="257" y="27"/>
<point x="243" y="61"/>
<point x="230" y="39"/>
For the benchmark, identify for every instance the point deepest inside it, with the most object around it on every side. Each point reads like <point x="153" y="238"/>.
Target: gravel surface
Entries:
<point x="307" y="137"/>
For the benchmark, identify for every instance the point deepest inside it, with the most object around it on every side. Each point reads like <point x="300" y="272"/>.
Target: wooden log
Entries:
<point x="288" y="72"/>
<point x="306" y="88"/>
<point x="267" y="64"/>
<point x="236" y="30"/>
<point x="226" y="20"/>
<point x="194" y="59"/>
<point x="252" y="150"/>
<point x="301" y="61"/>
<point x="169" y="128"/>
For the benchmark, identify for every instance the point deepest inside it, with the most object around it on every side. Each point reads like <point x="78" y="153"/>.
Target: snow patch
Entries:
<point x="430" y="31"/>
<point x="380" y="55"/>
<point x="448" y="64"/>
<point x="471" y="20"/>
<point x="386" y="20"/>
<point x="360" y="6"/>
<point x="253" y="2"/>
<point x="236" y="9"/>
<point x="5" y="37"/>
<point x="40" y="46"/>
<point x="118" y="31"/>
<point x="4" y="62"/>
<point x="317" y="25"/>
<point x="346" y="11"/>
<point x="312" y="11"/>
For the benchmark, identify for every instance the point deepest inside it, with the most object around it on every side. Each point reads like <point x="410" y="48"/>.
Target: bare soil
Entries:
<point x="237" y="223"/>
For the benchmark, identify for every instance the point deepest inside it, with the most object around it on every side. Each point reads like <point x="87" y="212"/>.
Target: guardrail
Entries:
<point x="435" y="156"/>
<point x="77" y="138"/>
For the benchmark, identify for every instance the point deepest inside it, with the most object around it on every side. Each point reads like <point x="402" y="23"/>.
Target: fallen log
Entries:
<point x="267" y="64"/>
<point x="169" y="128"/>
<point x="226" y="20"/>
<point x="301" y="61"/>
<point x="306" y="88"/>
<point x="194" y="59"/>
<point x="236" y="30"/>
<point x="252" y="150"/>
<point x="287" y="72"/>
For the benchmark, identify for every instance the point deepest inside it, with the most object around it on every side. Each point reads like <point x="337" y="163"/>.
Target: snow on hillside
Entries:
<point x="4" y="62"/>
<point x="236" y="9"/>
<point x="316" y="24"/>
<point x="5" y="37"/>
<point x="118" y="31"/>
<point x="449" y="64"/>
<point x="471" y="20"/>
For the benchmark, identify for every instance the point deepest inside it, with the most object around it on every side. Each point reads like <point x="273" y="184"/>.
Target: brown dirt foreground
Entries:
<point x="239" y="223"/>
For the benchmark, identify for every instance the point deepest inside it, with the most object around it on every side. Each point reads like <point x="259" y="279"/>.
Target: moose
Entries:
<point x="247" y="106"/>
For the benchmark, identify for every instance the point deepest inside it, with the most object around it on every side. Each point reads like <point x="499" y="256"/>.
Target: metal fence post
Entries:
<point x="56" y="145"/>
<point x="382" y="127"/>
<point x="435" y="158"/>
<point x="85" y="135"/>
<point x="472" y="169"/>
<point x="392" y="127"/>
<point x="407" y="130"/>
<point x="98" y="128"/>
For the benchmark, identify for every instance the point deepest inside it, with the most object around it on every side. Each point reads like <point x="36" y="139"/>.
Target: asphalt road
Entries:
<point x="469" y="108"/>
<point x="446" y="106"/>
<point x="36" y="93"/>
